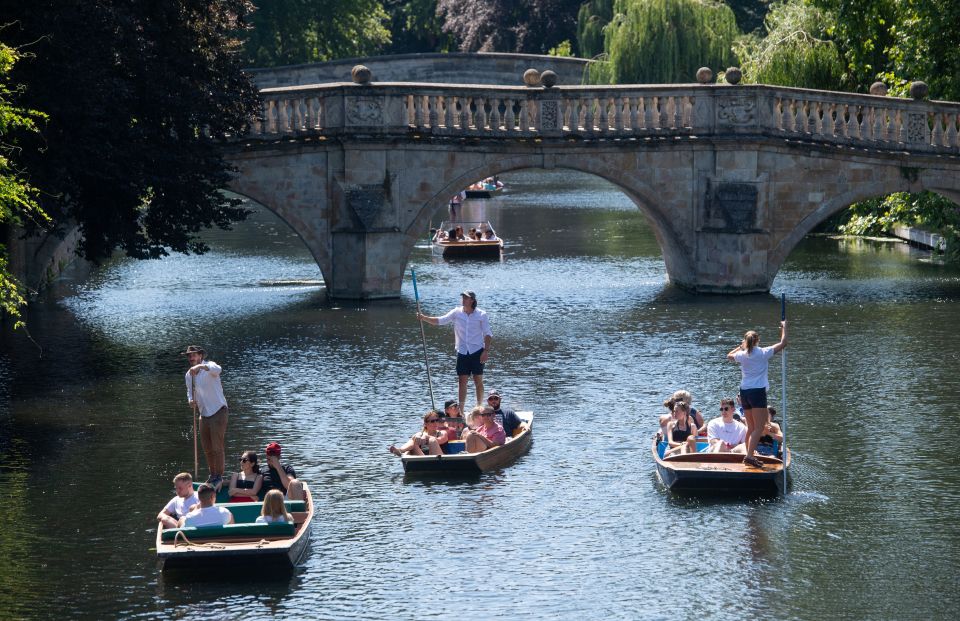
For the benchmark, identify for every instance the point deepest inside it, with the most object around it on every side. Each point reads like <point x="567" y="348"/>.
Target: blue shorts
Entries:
<point x="753" y="398"/>
<point x="469" y="364"/>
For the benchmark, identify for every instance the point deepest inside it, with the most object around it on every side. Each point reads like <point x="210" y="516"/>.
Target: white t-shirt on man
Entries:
<point x="179" y="507"/>
<point x="733" y="433"/>
<point x="468" y="329"/>
<point x="208" y="516"/>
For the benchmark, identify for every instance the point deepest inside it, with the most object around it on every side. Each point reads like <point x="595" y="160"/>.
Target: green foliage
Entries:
<point x="796" y="50"/>
<point x="416" y="27"/>
<point x="926" y="209"/>
<point x="287" y="32"/>
<point x="665" y="41"/>
<point x="926" y="46"/>
<point x="863" y="31"/>
<point x="532" y="26"/>
<point x="564" y="48"/>
<point x="18" y="199"/>
<point x="141" y="96"/>
<point x="749" y="13"/>
<point x="592" y="18"/>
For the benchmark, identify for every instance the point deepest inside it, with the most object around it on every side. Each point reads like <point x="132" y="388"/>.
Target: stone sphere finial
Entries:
<point x="878" y="88"/>
<point x="548" y="78"/>
<point x="704" y="75"/>
<point x="919" y="90"/>
<point x="361" y="74"/>
<point x="531" y="77"/>
<point x="733" y="75"/>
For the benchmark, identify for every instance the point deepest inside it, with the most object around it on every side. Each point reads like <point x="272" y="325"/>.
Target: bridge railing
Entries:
<point x="615" y="112"/>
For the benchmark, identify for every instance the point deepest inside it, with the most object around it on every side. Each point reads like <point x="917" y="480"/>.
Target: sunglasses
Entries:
<point x="725" y="408"/>
<point x="493" y="398"/>
<point x="434" y="420"/>
<point x="244" y="460"/>
<point x="486" y="414"/>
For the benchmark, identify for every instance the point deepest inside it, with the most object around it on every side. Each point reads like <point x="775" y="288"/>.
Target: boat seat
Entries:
<point x="248" y="512"/>
<point x="456" y="446"/>
<point x="662" y="447"/>
<point x="223" y="495"/>
<point x="231" y="530"/>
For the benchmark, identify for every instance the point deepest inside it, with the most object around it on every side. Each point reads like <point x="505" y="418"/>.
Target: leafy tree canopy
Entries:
<point x="531" y="26"/>
<point x="140" y="94"/>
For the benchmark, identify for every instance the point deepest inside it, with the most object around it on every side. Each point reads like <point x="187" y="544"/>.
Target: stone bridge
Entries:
<point x="730" y="177"/>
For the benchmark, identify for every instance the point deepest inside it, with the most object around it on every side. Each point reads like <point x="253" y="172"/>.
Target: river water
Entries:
<point x="588" y="335"/>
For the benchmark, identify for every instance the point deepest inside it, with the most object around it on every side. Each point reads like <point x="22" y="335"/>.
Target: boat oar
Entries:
<point x="783" y="393"/>
<point x="423" y="339"/>
<point x="196" y="457"/>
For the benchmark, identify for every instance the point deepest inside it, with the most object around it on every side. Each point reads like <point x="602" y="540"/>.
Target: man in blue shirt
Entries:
<point x="471" y="330"/>
<point x="507" y="418"/>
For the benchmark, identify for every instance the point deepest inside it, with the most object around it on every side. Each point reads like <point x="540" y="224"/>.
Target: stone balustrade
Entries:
<point x="608" y="112"/>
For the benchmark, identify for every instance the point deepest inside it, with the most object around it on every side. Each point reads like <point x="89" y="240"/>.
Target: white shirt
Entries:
<point x="268" y="519"/>
<point x="179" y="507"/>
<point x="733" y="433"/>
<point x="753" y="367"/>
<point x="208" y="516"/>
<point x="209" y="391"/>
<point x="469" y="329"/>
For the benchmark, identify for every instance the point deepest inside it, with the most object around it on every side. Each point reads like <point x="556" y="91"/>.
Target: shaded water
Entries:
<point x="587" y="334"/>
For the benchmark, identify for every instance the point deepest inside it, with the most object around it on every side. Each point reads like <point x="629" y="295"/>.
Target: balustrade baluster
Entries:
<point x="618" y="114"/>
<point x="588" y="116"/>
<point x="603" y="123"/>
<point x="786" y="118"/>
<point x="464" y="122"/>
<point x="664" y="114"/>
<point x="524" y="115"/>
<point x="509" y="118"/>
<point x="840" y="122"/>
<point x="816" y="121"/>
<point x="879" y="124"/>
<point x="448" y="109"/>
<point x="495" y="114"/>
<point x="433" y="116"/>
<point x="284" y="119"/>
<point x="418" y="120"/>
<point x="299" y="114"/>
<point x="951" y="137"/>
<point x="688" y="112"/>
<point x="634" y="104"/>
<point x="936" y="136"/>
<point x="648" y="111"/>
<point x="853" y="124"/>
<point x="892" y="132"/>
<point x="576" y="108"/>
<point x="677" y="112"/>
<point x="799" y="116"/>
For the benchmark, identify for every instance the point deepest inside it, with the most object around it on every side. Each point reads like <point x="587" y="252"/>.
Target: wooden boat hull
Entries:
<point x="234" y="552"/>
<point x="471" y="464"/>
<point x="470" y="250"/>
<point x="482" y="193"/>
<point x="720" y="473"/>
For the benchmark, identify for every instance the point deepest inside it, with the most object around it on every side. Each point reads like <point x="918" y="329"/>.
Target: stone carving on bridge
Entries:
<point x="550" y="111"/>
<point x="740" y="110"/>
<point x="731" y="207"/>
<point x="366" y="202"/>
<point x="366" y="111"/>
<point x="917" y="128"/>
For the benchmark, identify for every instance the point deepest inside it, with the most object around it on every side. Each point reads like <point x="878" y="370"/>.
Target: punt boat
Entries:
<point x="720" y="473"/>
<point x="468" y="249"/>
<point x="463" y="463"/>
<point x="241" y="544"/>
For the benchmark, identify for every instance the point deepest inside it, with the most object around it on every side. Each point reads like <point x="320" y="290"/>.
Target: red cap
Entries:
<point x="273" y="449"/>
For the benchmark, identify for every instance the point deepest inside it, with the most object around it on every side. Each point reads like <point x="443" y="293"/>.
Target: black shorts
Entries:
<point x="753" y="398"/>
<point x="469" y="364"/>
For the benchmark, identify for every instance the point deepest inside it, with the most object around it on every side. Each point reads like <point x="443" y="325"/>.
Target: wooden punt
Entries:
<point x="465" y="464"/>
<point x="468" y="249"/>
<point x="483" y="192"/>
<point x="720" y="473"/>
<point x="235" y="550"/>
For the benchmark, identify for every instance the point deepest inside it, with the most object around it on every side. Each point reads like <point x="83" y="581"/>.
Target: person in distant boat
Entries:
<point x="753" y="361"/>
<point x="424" y="442"/>
<point x="490" y="236"/>
<point x="771" y="434"/>
<point x="245" y="485"/>
<point x="205" y="392"/>
<point x="488" y="433"/>
<point x="686" y="397"/>
<point x="274" y="511"/>
<point x="206" y="513"/>
<point x="181" y="504"/>
<point x="725" y="434"/>
<point x="279" y="476"/>
<point x="681" y="433"/>
<point x="458" y="234"/>
<point x="472" y="338"/>
<point x="505" y="417"/>
<point x="455" y="203"/>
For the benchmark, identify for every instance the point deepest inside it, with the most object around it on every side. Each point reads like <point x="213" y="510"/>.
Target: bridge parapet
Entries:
<point x="484" y="111"/>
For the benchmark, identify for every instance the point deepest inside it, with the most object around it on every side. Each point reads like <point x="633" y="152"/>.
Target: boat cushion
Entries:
<point x="248" y="512"/>
<point x="231" y="530"/>
<point x="457" y="446"/>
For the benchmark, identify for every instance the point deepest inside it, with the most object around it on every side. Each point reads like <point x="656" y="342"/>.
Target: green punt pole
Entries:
<point x="783" y="390"/>
<point x="423" y="339"/>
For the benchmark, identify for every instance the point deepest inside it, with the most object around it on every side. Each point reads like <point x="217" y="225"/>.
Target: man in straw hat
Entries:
<point x="472" y="335"/>
<point x="205" y="392"/>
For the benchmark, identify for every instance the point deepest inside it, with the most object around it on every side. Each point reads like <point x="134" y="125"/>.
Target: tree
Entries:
<point x="532" y="26"/>
<point x="796" y="50"/>
<point x="665" y="41"/>
<point x="416" y="27"/>
<point x="141" y="96"/>
<point x="287" y="32"/>
<point x="18" y="199"/>
<point x="592" y="18"/>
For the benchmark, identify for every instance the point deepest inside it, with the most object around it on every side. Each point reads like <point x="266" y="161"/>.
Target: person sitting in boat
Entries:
<point x="725" y="434"/>
<point x="453" y="422"/>
<point x="772" y="434"/>
<point x="505" y="417"/>
<point x="681" y="431"/>
<point x="206" y="513"/>
<point x="458" y="234"/>
<point x="274" y="511"/>
<point x="472" y="234"/>
<point x="181" y="504"/>
<point x="686" y="397"/>
<point x="440" y="235"/>
<point x="487" y="434"/>
<point x="490" y="236"/>
<point x="424" y="442"/>
<point x="279" y="476"/>
<point x="245" y="485"/>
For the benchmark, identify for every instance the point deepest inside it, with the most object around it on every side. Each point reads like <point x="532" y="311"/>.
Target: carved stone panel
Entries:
<point x="732" y="207"/>
<point x="916" y="128"/>
<point x="551" y="115"/>
<point x="736" y="111"/>
<point x="366" y="201"/>
<point x="364" y="111"/>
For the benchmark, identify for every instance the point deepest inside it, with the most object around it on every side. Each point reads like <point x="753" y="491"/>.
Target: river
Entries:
<point x="588" y="334"/>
